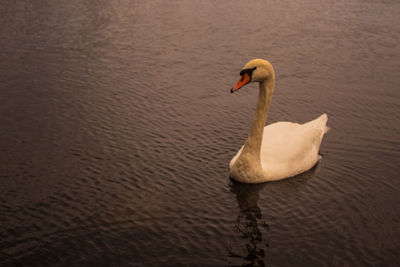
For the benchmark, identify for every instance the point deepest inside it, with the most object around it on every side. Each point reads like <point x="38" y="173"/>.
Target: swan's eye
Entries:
<point x="248" y="72"/>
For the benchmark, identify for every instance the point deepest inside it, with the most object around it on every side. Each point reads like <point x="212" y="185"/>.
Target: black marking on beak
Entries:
<point x="248" y="71"/>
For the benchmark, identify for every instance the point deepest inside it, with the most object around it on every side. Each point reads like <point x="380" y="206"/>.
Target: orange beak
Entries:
<point x="245" y="79"/>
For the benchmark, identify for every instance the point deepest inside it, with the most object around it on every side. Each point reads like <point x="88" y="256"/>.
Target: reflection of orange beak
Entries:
<point x="245" y="79"/>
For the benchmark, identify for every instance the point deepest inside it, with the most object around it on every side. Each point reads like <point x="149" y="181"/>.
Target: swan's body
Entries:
<point x="279" y="150"/>
<point x="287" y="149"/>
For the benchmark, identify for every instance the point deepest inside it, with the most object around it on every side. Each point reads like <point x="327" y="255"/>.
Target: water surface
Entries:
<point x="117" y="127"/>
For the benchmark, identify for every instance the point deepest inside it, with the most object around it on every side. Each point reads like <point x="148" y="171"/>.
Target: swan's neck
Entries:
<point x="252" y="147"/>
<point x="248" y="166"/>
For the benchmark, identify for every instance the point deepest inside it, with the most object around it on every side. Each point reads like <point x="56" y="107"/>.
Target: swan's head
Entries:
<point x="256" y="70"/>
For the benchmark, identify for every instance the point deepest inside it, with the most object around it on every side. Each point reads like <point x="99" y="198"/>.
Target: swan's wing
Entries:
<point x="290" y="148"/>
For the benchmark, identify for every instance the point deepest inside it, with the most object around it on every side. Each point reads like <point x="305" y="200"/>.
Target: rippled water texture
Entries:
<point x="117" y="127"/>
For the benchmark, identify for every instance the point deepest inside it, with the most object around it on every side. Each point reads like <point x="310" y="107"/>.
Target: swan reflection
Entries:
<point x="250" y="225"/>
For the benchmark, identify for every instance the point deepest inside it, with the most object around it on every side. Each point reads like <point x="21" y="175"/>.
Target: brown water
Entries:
<point x="117" y="127"/>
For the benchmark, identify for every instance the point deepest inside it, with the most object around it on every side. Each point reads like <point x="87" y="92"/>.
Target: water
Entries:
<point x="117" y="127"/>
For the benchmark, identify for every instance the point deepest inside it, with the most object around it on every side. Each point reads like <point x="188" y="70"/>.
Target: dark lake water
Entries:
<point x="117" y="128"/>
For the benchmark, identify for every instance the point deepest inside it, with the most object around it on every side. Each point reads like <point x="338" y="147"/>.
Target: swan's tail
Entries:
<point x="324" y="120"/>
<point x="320" y="123"/>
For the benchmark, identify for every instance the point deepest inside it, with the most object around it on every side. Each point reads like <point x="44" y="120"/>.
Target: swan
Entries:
<point x="279" y="150"/>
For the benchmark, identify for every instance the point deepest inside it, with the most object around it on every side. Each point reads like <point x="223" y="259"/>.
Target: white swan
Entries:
<point x="279" y="150"/>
